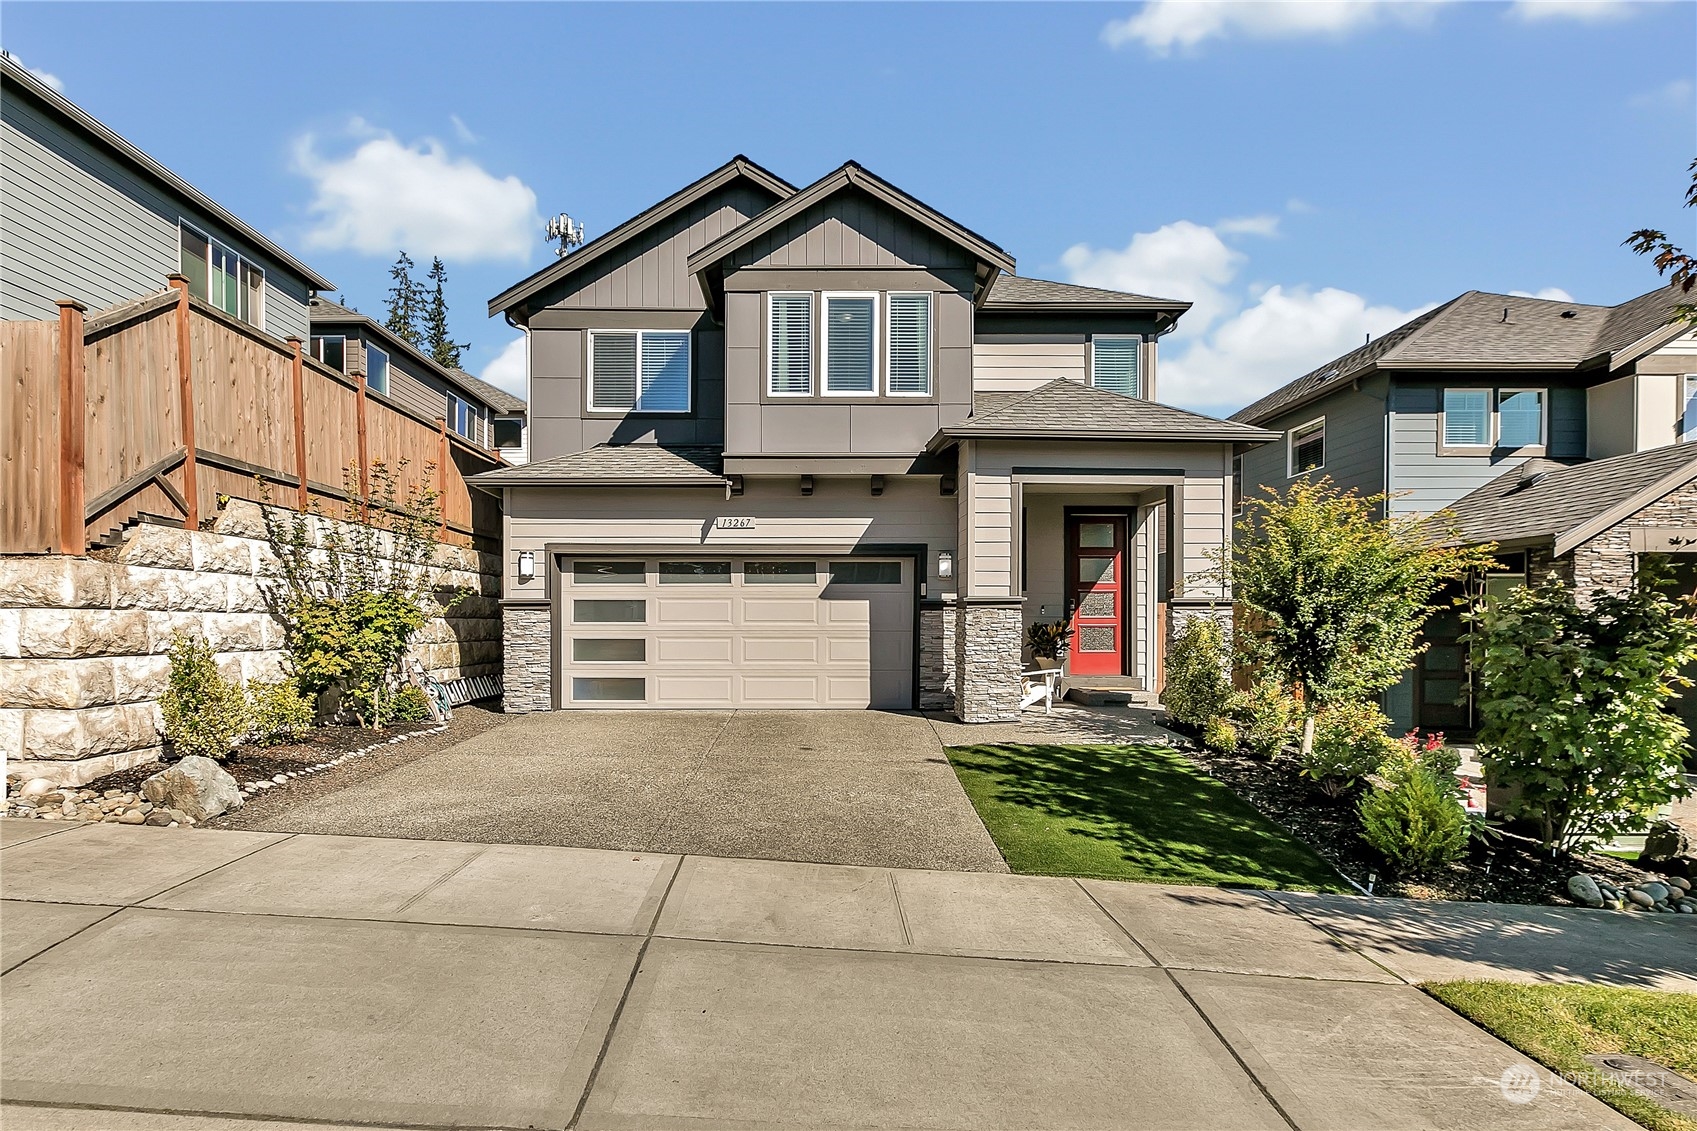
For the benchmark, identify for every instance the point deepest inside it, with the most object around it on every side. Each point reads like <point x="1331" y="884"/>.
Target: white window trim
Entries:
<point x="241" y="261"/>
<point x="812" y="343"/>
<point x="388" y="369"/>
<point x="930" y="348"/>
<point x="1543" y="418"/>
<point x="825" y="298"/>
<point x="1091" y="360"/>
<point x="1444" y="445"/>
<point x="637" y="406"/>
<point x="1291" y="445"/>
<point x="1687" y="391"/>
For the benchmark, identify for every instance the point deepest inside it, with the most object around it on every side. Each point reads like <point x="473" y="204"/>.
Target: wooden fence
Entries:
<point x="175" y="404"/>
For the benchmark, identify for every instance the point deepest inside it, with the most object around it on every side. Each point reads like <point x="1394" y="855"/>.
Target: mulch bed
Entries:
<point x="1511" y="870"/>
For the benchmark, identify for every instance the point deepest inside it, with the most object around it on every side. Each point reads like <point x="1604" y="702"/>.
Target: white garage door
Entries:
<point x="792" y="632"/>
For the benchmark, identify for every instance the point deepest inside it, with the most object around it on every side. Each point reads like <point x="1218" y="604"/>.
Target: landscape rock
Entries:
<point x="159" y="818"/>
<point x="132" y="817"/>
<point x="198" y="787"/>
<point x="1585" y="890"/>
<point x="1679" y="882"/>
<point x="36" y="787"/>
<point x="1666" y="840"/>
<point x="1642" y="899"/>
<point x="1656" y="891"/>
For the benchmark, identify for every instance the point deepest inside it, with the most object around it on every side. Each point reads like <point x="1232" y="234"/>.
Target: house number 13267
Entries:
<point x="723" y="523"/>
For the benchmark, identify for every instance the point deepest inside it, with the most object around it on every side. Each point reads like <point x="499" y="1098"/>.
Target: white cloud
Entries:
<point x="46" y="77"/>
<point x="1554" y="294"/>
<point x="1265" y="224"/>
<point x="1675" y="95"/>
<point x="1285" y="333"/>
<point x="1182" y="260"/>
<point x="507" y="370"/>
<point x="385" y="195"/>
<point x="461" y="130"/>
<point x="1163" y="25"/>
<point x="1583" y="11"/>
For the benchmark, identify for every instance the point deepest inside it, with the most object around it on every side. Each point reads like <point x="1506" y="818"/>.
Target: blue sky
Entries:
<point x="1307" y="173"/>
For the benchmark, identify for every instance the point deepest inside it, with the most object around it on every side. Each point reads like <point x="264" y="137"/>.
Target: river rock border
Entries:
<point x="261" y="785"/>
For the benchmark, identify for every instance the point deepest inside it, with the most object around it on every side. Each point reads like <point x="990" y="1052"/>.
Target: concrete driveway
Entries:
<point x="196" y="979"/>
<point x="837" y="787"/>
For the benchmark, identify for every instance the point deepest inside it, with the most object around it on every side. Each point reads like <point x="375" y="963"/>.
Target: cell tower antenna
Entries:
<point x="568" y="231"/>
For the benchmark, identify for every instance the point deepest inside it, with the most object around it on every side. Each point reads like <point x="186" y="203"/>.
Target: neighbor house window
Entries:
<point x="1688" y="407"/>
<point x="639" y="370"/>
<point x="910" y="345"/>
<point x="789" y="345"/>
<point x="509" y="432"/>
<point x="1114" y="365"/>
<point x="460" y="415"/>
<point x="850" y="344"/>
<point x="332" y="351"/>
<point x="1520" y="418"/>
<point x="376" y="369"/>
<point x="217" y="275"/>
<point x="1306" y="450"/>
<point x="1467" y="418"/>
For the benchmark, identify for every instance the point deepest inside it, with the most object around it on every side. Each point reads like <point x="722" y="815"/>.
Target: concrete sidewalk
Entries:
<point x="175" y="978"/>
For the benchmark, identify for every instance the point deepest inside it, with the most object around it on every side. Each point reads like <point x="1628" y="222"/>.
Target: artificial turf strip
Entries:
<point x="1559" y="1025"/>
<point x="1129" y="813"/>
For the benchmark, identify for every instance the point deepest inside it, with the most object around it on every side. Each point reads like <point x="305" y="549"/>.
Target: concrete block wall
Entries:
<point x="83" y="640"/>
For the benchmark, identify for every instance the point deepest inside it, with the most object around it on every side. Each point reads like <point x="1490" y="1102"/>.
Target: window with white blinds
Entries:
<point x="639" y="370"/>
<point x="1467" y="418"/>
<point x="1114" y="365"/>
<point x="789" y="337"/>
<point x="850" y="345"/>
<point x="909" y="348"/>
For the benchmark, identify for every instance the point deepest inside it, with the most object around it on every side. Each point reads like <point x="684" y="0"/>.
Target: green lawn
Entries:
<point x="1129" y="813"/>
<point x="1559" y="1025"/>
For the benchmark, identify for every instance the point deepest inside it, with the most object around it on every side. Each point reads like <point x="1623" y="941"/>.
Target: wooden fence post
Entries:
<point x="442" y="475"/>
<point x="185" y="396"/>
<point x="73" y="425"/>
<point x="364" y="463"/>
<point x="298" y="381"/>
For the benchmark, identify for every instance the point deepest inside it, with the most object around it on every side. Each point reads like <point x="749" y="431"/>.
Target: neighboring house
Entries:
<point x="1551" y="428"/>
<point x="90" y="217"/>
<point x="822" y="448"/>
<point x="354" y="343"/>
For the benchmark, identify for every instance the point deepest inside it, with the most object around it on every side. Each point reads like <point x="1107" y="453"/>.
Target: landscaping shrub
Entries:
<point x="1573" y="705"/>
<point x="1412" y="816"/>
<point x="1048" y="640"/>
<point x="410" y="705"/>
<point x="205" y="714"/>
<point x="280" y="712"/>
<point x="1267" y="715"/>
<point x="1197" y="689"/>
<point x="1349" y="743"/>
<point x="1218" y="733"/>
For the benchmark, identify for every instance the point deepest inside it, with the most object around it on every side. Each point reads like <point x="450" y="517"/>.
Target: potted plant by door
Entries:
<point x="1048" y="640"/>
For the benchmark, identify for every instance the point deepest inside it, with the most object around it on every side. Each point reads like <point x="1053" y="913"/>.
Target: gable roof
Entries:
<point x="1017" y="293"/>
<point x="991" y="257"/>
<point x="737" y="168"/>
<point x="1568" y="504"/>
<point x="323" y="312"/>
<point x="1483" y="332"/>
<point x="615" y="465"/>
<point x="1064" y="409"/>
<point x="15" y="74"/>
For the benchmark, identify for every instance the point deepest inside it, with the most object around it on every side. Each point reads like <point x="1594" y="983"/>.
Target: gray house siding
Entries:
<point x="1355" y="442"/>
<point x="1425" y="480"/>
<point x="80" y="223"/>
<point x="850" y="229"/>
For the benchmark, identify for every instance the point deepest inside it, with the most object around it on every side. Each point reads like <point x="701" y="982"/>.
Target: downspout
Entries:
<point x="507" y="317"/>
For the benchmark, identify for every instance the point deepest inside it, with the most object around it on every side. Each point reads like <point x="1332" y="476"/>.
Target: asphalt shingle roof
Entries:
<point x="612" y="465"/>
<point x="494" y="396"/>
<point x="1019" y="291"/>
<point x="1546" y="499"/>
<point x="1485" y="331"/>
<point x="1068" y="408"/>
<point x="326" y="311"/>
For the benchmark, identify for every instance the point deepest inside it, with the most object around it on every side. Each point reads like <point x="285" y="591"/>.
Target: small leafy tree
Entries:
<point x="205" y="714"/>
<point x="1335" y="595"/>
<point x="438" y="339"/>
<point x="406" y="302"/>
<point x="1197" y="690"/>
<point x="352" y="592"/>
<point x="1573" y="705"/>
<point x="1670" y="259"/>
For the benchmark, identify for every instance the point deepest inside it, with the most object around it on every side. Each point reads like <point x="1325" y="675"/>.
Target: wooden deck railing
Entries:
<point x="162" y="405"/>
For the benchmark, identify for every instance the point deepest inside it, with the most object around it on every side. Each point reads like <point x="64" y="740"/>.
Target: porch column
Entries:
<point x="989" y="621"/>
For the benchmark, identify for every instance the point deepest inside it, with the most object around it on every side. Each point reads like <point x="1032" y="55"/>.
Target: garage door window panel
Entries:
<point x="608" y="573"/>
<point x="609" y="689"/>
<point x="866" y="573"/>
<point x="609" y="650"/>
<point x="609" y="612"/>
<point x="780" y="573"/>
<point x="695" y="573"/>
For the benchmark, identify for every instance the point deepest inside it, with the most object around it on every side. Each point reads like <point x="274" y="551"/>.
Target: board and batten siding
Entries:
<point x="1019" y="365"/>
<point x="850" y="229"/>
<point x="80" y="223"/>
<point x="1355" y="442"/>
<point x="839" y="516"/>
<point x="1423" y="480"/>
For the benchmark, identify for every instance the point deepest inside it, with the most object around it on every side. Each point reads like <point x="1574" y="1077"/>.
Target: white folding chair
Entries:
<point x="1039" y="684"/>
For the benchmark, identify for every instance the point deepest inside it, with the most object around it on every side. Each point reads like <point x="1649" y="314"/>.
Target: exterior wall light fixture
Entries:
<point x="945" y="564"/>
<point x="527" y="565"/>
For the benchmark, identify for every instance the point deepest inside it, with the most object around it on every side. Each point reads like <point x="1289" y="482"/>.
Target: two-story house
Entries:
<point x="472" y="408"/>
<point x="1554" y="429"/>
<point x="88" y="216"/>
<point x="821" y="447"/>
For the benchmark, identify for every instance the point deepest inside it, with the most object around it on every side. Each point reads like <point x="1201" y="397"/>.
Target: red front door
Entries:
<point x="1096" y="574"/>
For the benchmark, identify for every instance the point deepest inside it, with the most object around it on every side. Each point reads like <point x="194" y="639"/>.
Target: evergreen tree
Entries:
<point x="406" y="302"/>
<point x="438" y="343"/>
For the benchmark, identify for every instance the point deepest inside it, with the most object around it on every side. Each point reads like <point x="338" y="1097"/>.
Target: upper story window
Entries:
<point x="1688" y="407"/>
<point x="789" y="344"/>
<point x="509" y="431"/>
<point x="1477" y="420"/>
<point x="910" y="345"/>
<point x="639" y="370"/>
<point x="1115" y="365"/>
<point x="1305" y="447"/>
<point x="461" y="416"/>
<point x="850" y="344"/>
<point x="332" y="350"/>
<point x="221" y="277"/>
<point x="376" y="369"/>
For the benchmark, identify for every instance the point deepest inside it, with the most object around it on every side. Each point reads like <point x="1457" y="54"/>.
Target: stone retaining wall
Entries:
<point x="82" y="640"/>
